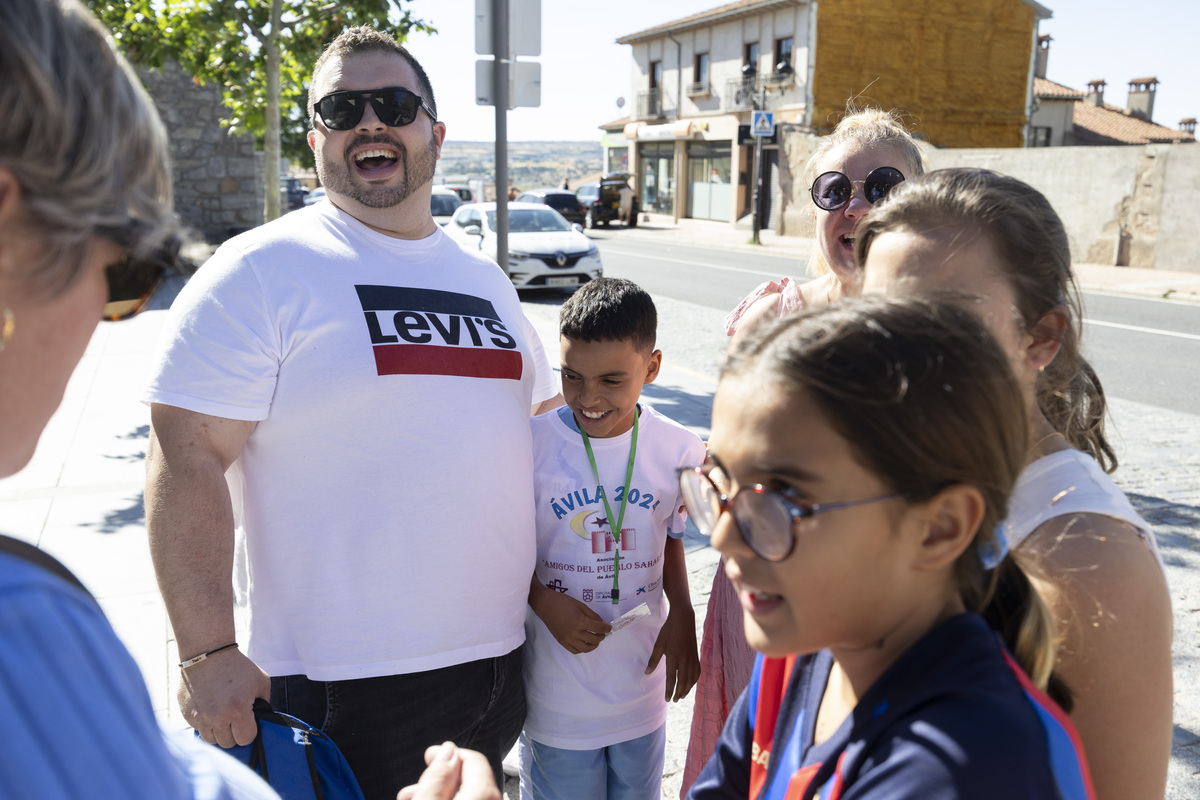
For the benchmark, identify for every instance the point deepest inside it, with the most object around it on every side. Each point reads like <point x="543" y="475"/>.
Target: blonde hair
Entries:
<point x="866" y="127"/>
<point x="82" y="138"/>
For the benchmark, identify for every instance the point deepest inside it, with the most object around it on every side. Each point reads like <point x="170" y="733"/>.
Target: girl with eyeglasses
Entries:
<point x="854" y="167"/>
<point x="998" y="244"/>
<point x="858" y="473"/>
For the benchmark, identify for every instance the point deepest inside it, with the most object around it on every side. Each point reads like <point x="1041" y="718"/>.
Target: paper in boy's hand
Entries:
<point x="628" y="618"/>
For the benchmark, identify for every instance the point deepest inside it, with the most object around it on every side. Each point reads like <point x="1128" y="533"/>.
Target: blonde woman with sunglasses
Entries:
<point x="868" y="153"/>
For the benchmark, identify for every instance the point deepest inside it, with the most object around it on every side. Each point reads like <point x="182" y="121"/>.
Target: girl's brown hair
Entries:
<point x="927" y="400"/>
<point x="1029" y="239"/>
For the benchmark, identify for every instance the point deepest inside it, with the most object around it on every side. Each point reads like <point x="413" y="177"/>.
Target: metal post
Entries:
<point x="500" y="95"/>
<point x="758" y="156"/>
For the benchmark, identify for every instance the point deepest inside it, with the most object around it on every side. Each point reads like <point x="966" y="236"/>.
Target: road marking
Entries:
<point x="1138" y="329"/>
<point x="631" y="254"/>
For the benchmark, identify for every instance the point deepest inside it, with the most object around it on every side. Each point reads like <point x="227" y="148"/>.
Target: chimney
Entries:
<point x="1043" y="55"/>
<point x="1141" y="97"/>
<point x="1188" y="125"/>
<point x="1095" y="95"/>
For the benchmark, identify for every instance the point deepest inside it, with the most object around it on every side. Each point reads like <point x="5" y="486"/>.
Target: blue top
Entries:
<point x="76" y="713"/>
<point x="954" y="717"/>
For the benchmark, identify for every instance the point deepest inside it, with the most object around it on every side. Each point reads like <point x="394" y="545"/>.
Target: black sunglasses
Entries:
<point x="133" y="280"/>
<point x="832" y="190"/>
<point x="394" y="106"/>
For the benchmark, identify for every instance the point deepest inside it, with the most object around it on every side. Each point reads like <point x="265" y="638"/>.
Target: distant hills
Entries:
<point x="531" y="165"/>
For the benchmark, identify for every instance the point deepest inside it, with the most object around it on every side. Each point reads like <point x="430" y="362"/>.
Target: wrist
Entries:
<point x="201" y="657"/>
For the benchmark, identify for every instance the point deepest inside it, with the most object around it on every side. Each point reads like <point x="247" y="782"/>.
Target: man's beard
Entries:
<point x="337" y="176"/>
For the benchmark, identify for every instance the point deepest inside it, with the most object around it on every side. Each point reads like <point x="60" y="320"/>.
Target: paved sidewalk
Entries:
<point x="1184" y="286"/>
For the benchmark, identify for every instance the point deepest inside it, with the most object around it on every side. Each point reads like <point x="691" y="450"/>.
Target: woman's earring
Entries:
<point x="7" y="331"/>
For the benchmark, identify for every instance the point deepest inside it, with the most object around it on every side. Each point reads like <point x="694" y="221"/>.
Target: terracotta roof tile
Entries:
<point x="1050" y="89"/>
<point x="1111" y="125"/>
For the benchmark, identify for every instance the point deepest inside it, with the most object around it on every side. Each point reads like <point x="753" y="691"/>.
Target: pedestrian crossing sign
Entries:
<point x="762" y="123"/>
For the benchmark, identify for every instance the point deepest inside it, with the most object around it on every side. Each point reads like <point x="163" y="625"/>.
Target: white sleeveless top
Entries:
<point x="1069" y="482"/>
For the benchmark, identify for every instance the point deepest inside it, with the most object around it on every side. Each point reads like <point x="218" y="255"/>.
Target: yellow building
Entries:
<point x="961" y="68"/>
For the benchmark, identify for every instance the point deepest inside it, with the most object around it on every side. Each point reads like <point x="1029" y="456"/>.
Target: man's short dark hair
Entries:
<point x="610" y="309"/>
<point x="364" y="39"/>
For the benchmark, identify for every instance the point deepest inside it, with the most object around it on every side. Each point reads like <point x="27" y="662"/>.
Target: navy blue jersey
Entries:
<point x="954" y="717"/>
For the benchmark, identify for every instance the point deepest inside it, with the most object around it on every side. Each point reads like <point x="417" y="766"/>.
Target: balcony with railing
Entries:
<point x="741" y="94"/>
<point x="649" y="104"/>
<point x="699" y="89"/>
<point x="781" y="78"/>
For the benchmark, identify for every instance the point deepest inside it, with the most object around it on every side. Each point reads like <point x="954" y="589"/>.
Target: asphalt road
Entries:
<point x="1147" y="351"/>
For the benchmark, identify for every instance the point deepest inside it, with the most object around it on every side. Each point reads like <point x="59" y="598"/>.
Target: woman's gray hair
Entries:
<point x="82" y="138"/>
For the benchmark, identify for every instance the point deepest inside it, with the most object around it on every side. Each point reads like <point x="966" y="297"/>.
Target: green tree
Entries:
<point x="260" y="52"/>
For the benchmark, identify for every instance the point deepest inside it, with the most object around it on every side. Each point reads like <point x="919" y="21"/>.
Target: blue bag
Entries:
<point x="297" y="760"/>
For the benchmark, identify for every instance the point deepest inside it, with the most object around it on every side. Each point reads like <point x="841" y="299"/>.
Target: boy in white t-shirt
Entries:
<point x="596" y="690"/>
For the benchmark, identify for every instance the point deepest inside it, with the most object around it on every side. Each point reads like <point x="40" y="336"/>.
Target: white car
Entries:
<point x="544" y="250"/>
<point x="442" y="204"/>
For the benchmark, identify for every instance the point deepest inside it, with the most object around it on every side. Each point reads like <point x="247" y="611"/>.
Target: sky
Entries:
<point x="584" y="71"/>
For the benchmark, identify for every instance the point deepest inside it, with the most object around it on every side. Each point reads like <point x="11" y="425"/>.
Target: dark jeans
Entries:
<point x="383" y="725"/>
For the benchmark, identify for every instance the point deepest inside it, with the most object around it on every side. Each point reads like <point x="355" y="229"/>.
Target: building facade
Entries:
<point x="961" y="73"/>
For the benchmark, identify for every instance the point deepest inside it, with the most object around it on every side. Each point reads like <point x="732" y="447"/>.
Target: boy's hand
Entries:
<point x="677" y="640"/>
<point x="576" y="627"/>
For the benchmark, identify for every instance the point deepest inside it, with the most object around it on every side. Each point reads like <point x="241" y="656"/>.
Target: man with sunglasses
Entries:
<point x="367" y="384"/>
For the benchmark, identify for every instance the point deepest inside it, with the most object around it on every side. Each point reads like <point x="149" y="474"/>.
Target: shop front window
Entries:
<point x="710" y="190"/>
<point x="657" y="178"/>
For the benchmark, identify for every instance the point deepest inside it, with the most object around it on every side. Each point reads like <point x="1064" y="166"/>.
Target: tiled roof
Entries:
<point x="616" y="124"/>
<point x="1056" y="91"/>
<point x="1111" y="125"/>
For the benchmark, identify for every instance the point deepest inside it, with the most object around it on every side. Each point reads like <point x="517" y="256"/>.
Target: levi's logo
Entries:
<point x="428" y="332"/>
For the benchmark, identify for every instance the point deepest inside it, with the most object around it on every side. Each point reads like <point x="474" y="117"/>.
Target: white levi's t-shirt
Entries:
<point x="596" y="699"/>
<point x="385" y="497"/>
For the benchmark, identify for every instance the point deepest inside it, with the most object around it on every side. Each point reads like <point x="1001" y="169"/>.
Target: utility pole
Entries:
<point x="500" y="94"/>
<point x="758" y="177"/>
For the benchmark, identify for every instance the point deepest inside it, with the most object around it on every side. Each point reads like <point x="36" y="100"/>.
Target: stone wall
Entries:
<point x="1122" y="206"/>
<point x="218" y="177"/>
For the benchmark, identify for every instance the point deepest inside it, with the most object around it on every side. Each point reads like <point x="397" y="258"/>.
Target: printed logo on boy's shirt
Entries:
<point x="557" y="585"/>
<point x="565" y="503"/>
<point x="431" y="332"/>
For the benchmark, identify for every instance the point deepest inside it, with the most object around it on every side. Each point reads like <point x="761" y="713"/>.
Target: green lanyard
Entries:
<point x="616" y="529"/>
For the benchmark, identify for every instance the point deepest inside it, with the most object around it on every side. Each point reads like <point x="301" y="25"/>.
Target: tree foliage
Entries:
<point x="227" y="42"/>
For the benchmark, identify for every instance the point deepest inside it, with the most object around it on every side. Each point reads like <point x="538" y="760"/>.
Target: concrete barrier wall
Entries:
<point x="1129" y="206"/>
<point x="1179" y="227"/>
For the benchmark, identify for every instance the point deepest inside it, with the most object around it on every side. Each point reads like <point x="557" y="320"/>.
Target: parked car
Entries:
<point x="601" y="200"/>
<point x="544" y="250"/>
<point x="561" y="200"/>
<point x="315" y="196"/>
<point x="443" y="203"/>
<point x="462" y="190"/>
<point x="291" y="193"/>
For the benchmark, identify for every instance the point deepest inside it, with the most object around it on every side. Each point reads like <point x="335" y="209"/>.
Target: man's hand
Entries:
<point x="217" y="697"/>
<point x="574" y="625"/>
<point x="453" y="774"/>
<point x="677" y="640"/>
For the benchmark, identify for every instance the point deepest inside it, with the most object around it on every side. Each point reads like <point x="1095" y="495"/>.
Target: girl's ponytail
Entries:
<point x="1015" y="610"/>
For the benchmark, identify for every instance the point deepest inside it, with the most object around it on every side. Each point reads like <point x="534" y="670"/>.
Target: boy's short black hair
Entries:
<point x="610" y="309"/>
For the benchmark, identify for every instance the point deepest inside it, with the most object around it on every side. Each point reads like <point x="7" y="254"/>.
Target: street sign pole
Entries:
<point x="500" y="96"/>
<point x="758" y="171"/>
